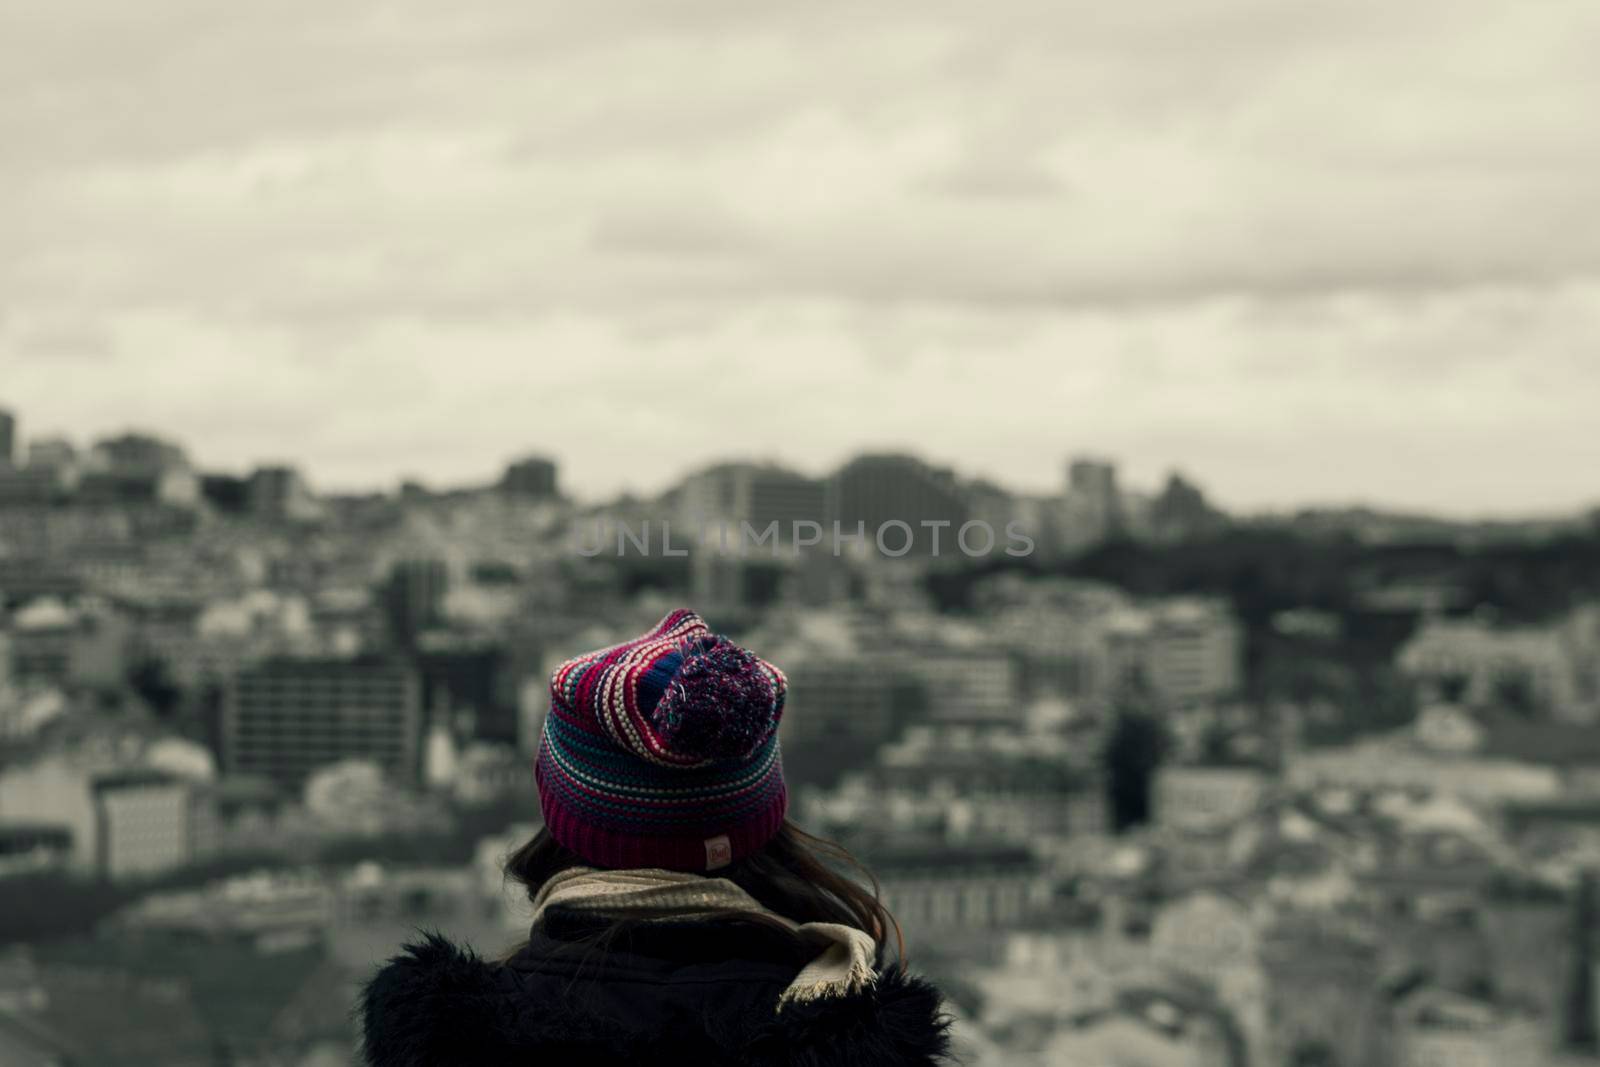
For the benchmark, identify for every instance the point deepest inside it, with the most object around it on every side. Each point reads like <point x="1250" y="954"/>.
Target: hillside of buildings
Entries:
<point x="1171" y="786"/>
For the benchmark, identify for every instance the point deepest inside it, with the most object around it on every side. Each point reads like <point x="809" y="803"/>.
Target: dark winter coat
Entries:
<point x="695" y="993"/>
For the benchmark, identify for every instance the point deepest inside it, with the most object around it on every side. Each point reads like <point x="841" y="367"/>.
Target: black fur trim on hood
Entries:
<point x="438" y="1004"/>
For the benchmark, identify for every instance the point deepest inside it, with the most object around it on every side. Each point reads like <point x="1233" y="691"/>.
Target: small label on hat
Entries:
<point x="719" y="852"/>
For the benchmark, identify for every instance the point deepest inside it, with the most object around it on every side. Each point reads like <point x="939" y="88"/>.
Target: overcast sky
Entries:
<point x="1325" y="251"/>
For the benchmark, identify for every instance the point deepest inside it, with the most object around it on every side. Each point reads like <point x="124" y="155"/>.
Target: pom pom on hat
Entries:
<point x="662" y="751"/>
<point x="722" y="702"/>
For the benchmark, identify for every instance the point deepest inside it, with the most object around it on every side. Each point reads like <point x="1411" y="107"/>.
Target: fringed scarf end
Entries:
<point x="859" y="978"/>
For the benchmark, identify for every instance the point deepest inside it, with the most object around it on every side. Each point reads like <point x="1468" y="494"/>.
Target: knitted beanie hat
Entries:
<point x="663" y="751"/>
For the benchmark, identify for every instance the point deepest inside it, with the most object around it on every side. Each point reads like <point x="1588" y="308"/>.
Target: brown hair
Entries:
<point x="797" y="875"/>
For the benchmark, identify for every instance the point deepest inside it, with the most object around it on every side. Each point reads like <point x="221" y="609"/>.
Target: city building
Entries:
<point x="1535" y="934"/>
<point x="1443" y="1028"/>
<point x="994" y="504"/>
<point x="1187" y="650"/>
<point x="138" y="469"/>
<point x="1138" y="516"/>
<point x="1210" y="937"/>
<point x="49" y="474"/>
<point x="486" y="772"/>
<point x="27" y="487"/>
<point x="136" y="452"/>
<point x="1092" y="508"/>
<point x="41" y="643"/>
<point x="730" y="585"/>
<point x="52" y="453"/>
<point x="976" y="685"/>
<point x="968" y="888"/>
<point x="871" y="492"/>
<point x="846" y="702"/>
<point x="276" y="910"/>
<point x="29" y="848"/>
<point x="1059" y="652"/>
<point x="532" y="478"/>
<point x="820" y="580"/>
<point x="20" y="990"/>
<point x="752" y="494"/>
<point x="52" y="788"/>
<point x="286" y="717"/>
<point x="1151" y="1027"/>
<point x="27" y="1042"/>
<point x="1401" y="763"/>
<point x="56" y="645"/>
<point x="1180" y="513"/>
<point x="8" y="439"/>
<point x="279" y="493"/>
<point x="1534" y="671"/>
<point x="1324" y="1002"/>
<point x="977" y="785"/>
<point x="241" y="813"/>
<point x="469" y="686"/>
<point x="413" y="597"/>
<point x="24" y="712"/>
<point x="144" y="823"/>
<point x="26" y="578"/>
<point x="351" y="796"/>
<point x="1202" y="799"/>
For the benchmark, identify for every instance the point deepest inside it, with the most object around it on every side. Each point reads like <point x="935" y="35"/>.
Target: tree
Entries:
<point x="1312" y="1053"/>
<point x="1582" y="1029"/>
<point x="1452" y="687"/>
<point x="1514" y="693"/>
<point x="1137" y="744"/>
<point x="152" y="679"/>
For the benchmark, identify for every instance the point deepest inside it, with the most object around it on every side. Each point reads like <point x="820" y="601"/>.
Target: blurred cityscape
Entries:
<point x="1172" y="787"/>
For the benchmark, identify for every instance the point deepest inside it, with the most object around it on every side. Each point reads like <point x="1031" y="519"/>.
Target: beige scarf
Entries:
<point x="844" y="961"/>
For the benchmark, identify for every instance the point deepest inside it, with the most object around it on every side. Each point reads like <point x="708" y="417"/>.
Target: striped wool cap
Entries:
<point x="663" y="751"/>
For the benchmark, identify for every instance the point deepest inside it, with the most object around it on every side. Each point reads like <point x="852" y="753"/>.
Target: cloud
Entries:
<point x="1267" y="401"/>
<point x="666" y="226"/>
<point x="1242" y="201"/>
<point x="911" y="151"/>
<point x="68" y="337"/>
